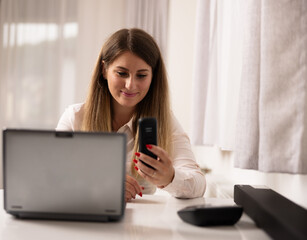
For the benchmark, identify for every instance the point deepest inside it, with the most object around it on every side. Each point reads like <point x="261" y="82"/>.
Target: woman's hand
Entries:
<point x="132" y="188"/>
<point x="163" y="173"/>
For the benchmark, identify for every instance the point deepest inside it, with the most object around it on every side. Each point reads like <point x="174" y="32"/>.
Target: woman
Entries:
<point x="129" y="82"/>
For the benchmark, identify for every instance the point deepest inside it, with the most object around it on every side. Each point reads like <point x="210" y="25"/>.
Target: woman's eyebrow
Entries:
<point x="126" y="69"/>
<point x="143" y="70"/>
<point x="123" y="68"/>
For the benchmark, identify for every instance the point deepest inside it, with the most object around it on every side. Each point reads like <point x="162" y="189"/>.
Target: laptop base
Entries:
<point x="66" y="217"/>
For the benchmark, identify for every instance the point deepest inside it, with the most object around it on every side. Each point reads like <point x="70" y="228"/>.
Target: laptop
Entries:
<point x="64" y="175"/>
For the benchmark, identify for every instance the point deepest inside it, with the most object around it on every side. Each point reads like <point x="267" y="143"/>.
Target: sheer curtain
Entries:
<point x="250" y="82"/>
<point x="272" y="119"/>
<point x="37" y="52"/>
<point x="217" y="73"/>
<point x="151" y="16"/>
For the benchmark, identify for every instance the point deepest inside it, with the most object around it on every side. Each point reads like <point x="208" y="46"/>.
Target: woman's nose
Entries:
<point x="129" y="83"/>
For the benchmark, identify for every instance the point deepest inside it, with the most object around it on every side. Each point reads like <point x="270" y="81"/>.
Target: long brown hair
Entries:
<point x="98" y="107"/>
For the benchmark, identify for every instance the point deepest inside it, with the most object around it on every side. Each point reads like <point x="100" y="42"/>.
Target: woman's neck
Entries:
<point x="121" y="115"/>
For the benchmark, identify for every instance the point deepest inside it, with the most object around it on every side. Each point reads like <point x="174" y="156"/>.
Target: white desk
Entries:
<point x="149" y="217"/>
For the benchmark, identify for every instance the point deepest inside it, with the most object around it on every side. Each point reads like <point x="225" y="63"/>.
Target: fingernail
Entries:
<point x="136" y="168"/>
<point x="134" y="160"/>
<point x="148" y="146"/>
<point x="143" y="188"/>
<point x="141" y="194"/>
<point x="137" y="154"/>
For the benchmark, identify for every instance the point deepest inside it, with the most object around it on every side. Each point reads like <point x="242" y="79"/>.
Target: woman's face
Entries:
<point x="129" y="78"/>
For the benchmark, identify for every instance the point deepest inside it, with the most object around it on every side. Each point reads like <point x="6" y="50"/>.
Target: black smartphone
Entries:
<point x="147" y="135"/>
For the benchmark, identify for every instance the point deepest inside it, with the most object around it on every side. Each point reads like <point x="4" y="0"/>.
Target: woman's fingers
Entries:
<point x="146" y="171"/>
<point x="163" y="172"/>
<point x="132" y="188"/>
<point x="160" y="152"/>
<point x="148" y="162"/>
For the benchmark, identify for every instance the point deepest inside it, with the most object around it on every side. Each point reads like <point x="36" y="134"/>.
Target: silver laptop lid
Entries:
<point x="64" y="175"/>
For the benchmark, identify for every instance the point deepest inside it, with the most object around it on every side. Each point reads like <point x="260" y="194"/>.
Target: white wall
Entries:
<point x="180" y="70"/>
<point x="179" y="62"/>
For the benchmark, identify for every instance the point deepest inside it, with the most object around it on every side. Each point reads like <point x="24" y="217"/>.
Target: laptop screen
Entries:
<point x="64" y="173"/>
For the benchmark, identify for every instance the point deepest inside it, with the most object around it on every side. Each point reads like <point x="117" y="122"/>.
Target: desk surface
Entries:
<point x="149" y="217"/>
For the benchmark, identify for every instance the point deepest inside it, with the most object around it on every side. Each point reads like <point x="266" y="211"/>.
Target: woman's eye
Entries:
<point x="142" y="75"/>
<point x="122" y="74"/>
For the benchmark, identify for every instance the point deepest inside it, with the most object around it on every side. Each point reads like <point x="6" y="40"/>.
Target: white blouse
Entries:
<point x="188" y="182"/>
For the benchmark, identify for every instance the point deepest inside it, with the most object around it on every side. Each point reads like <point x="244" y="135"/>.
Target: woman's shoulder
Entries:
<point x="175" y="124"/>
<point x="75" y="108"/>
<point x="77" y="113"/>
<point x="72" y="117"/>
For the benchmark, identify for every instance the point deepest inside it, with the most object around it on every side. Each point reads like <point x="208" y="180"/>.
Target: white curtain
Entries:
<point x="217" y="73"/>
<point x="151" y="16"/>
<point x="38" y="43"/>
<point x="272" y="119"/>
<point x="37" y="51"/>
<point x="259" y="48"/>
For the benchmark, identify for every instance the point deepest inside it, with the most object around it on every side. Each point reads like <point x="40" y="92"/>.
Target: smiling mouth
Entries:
<point x="129" y="94"/>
